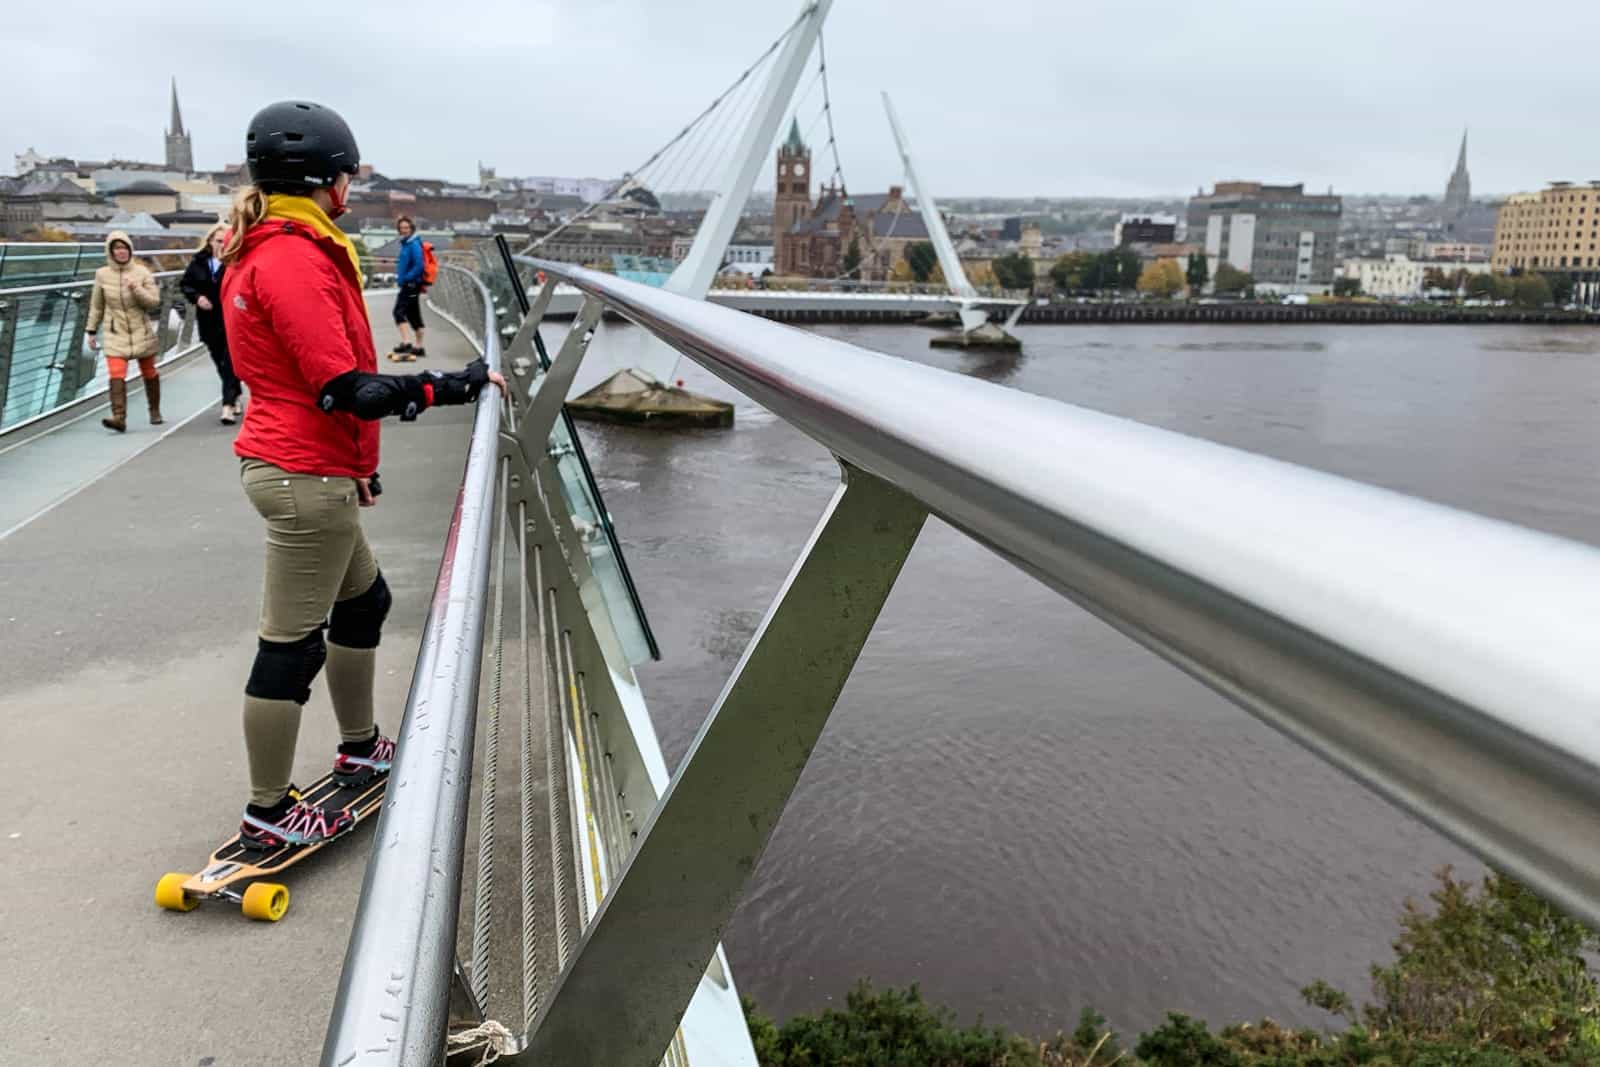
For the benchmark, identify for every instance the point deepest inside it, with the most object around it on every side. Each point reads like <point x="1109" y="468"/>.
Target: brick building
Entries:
<point x="812" y="240"/>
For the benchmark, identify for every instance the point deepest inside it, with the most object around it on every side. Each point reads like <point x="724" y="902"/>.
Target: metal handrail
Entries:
<point x="81" y="283"/>
<point x="1445" y="659"/>
<point x="395" y="987"/>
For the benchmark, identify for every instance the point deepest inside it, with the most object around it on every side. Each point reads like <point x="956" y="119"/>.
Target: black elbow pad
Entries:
<point x="374" y="396"/>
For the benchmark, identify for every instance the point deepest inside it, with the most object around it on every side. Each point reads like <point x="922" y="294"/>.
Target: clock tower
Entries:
<point x="791" y="203"/>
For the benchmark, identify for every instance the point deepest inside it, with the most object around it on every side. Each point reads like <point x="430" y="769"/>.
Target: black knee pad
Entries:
<point x="284" y="670"/>
<point x="358" y="622"/>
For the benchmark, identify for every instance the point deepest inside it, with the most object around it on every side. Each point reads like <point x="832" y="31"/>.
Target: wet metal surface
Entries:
<point x="1016" y="806"/>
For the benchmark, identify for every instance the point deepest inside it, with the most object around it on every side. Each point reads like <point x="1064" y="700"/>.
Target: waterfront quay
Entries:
<point x="1243" y="311"/>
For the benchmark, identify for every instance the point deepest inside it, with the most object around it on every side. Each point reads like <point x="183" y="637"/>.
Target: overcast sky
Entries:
<point x="1008" y="97"/>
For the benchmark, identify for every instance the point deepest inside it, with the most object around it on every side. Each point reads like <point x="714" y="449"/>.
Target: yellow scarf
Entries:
<point x="303" y="209"/>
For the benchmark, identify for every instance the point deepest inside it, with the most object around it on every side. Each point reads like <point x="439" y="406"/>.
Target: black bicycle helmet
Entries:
<point x="295" y="145"/>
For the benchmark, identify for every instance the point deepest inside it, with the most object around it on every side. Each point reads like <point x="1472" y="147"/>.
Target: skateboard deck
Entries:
<point x="235" y="873"/>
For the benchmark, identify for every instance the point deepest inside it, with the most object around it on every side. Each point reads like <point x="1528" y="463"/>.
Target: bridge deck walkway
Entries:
<point x="38" y="472"/>
<point x="127" y="626"/>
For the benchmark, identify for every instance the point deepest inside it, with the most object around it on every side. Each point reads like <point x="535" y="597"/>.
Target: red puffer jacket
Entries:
<point x="296" y="320"/>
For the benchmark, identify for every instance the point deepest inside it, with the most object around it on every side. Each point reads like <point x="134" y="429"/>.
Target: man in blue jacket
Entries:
<point x="408" y="305"/>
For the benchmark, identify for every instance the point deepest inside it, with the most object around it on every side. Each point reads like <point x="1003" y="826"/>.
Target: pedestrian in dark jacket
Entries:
<point x="409" y="273"/>
<point x="202" y="287"/>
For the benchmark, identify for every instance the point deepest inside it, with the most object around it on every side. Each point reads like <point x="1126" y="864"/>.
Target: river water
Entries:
<point x="1017" y="807"/>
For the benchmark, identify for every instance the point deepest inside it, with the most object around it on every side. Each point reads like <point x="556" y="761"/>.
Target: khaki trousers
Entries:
<point x="316" y="552"/>
<point x="316" y="556"/>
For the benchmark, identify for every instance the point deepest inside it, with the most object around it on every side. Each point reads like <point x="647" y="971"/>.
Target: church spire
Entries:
<point x="177" y="116"/>
<point x="794" y="144"/>
<point x="180" y="150"/>
<point x="1458" y="193"/>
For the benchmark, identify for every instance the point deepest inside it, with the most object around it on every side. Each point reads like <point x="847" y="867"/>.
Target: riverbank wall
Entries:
<point x="1240" y="313"/>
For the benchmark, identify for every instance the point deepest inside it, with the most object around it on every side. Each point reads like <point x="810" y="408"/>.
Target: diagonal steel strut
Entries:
<point x="619" y="1001"/>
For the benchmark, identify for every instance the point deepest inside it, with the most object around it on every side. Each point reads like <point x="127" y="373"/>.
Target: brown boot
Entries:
<point x="152" y="393"/>
<point x="119" y="407"/>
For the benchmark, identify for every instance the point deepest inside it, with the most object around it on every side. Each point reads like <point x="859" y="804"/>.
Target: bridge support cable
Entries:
<point x="723" y="139"/>
<point x="827" y="109"/>
<point x="658" y="162"/>
<point x="701" y="153"/>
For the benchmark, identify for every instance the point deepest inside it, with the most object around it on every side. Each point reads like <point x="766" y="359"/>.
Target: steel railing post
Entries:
<point x="164" y="315"/>
<point x="550" y="390"/>
<point x="10" y="311"/>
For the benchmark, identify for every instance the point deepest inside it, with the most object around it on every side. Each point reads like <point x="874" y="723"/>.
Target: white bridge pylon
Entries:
<point x="972" y="308"/>
<point x="693" y="277"/>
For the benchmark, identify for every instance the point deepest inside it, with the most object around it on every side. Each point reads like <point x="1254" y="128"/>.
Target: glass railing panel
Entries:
<point x="579" y="487"/>
<point x="596" y="532"/>
<point x="48" y="363"/>
<point x="44" y="362"/>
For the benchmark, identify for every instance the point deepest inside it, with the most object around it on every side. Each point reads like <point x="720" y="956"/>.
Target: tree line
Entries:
<point x="1121" y="270"/>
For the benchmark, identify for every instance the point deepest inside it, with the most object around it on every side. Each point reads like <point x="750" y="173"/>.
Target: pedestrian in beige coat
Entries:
<point x="125" y="295"/>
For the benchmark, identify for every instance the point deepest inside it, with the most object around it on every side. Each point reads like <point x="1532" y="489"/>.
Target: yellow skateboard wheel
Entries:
<point x="170" y="894"/>
<point x="266" y="901"/>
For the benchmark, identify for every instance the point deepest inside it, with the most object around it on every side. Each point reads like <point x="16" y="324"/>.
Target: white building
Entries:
<point x="749" y="253"/>
<point x="27" y="161"/>
<point x="218" y="204"/>
<point x="739" y="253"/>
<point x="1392" y="277"/>
<point x="590" y="190"/>
<point x="1458" y="251"/>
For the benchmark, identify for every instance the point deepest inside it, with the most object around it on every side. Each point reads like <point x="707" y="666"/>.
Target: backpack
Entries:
<point x="430" y="264"/>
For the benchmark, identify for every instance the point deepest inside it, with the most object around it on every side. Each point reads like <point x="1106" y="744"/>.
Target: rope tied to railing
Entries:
<point x="492" y="1037"/>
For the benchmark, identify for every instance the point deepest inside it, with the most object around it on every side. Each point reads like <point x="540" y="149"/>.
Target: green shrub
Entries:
<point x="1489" y="976"/>
<point x="1499" y="968"/>
<point x="891" y="1028"/>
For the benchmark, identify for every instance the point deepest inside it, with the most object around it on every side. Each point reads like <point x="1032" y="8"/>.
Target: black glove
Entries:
<point x="374" y="487"/>
<point x="459" y="386"/>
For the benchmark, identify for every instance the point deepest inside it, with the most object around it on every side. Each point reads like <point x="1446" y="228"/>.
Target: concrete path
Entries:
<point x="127" y="628"/>
<point x="39" y="472"/>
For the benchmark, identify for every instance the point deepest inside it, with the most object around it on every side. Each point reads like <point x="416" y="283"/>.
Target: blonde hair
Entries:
<point x="249" y="208"/>
<point x="220" y="227"/>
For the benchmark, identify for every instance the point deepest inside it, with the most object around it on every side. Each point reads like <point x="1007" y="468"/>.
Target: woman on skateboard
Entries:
<point x="125" y="296"/>
<point x="202" y="286"/>
<point x="298" y="332"/>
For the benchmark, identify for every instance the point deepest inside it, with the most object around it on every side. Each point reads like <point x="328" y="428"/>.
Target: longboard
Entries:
<point x="234" y="872"/>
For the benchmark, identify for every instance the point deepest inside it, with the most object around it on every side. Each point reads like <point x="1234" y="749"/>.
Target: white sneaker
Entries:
<point x="228" y="415"/>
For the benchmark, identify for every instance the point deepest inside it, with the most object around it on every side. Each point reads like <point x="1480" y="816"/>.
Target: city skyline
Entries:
<point x="1098" y="102"/>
